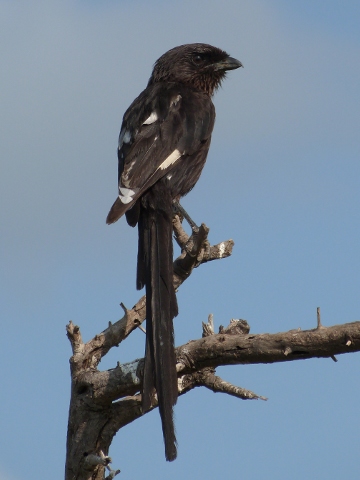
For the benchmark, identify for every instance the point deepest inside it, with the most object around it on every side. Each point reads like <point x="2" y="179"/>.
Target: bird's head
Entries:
<point x="199" y="65"/>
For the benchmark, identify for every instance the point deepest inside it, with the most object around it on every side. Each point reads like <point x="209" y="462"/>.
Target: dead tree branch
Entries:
<point x="102" y="402"/>
<point x="195" y="251"/>
<point x="106" y="401"/>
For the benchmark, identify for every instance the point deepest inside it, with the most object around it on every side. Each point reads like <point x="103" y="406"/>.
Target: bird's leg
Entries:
<point x="179" y="209"/>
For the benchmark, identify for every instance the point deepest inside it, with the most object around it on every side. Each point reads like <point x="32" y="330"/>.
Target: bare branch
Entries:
<point x="197" y="247"/>
<point x="217" y="384"/>
<point x="74" y="335"/>
<point x="104" y="402"/>
<point x="227" y="349"/>
<point x="112" y="473"/>
<point x="208" y="328"/>
<point x="318" y="317"/>
<point x="196" y="251"/>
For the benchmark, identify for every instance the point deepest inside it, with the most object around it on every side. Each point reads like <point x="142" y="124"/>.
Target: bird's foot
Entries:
<point x="181" y="211"/>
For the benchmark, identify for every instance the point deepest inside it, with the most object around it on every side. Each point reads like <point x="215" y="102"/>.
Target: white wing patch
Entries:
<point x="175" y="155"/>
<point x="124" y="137"/>
<point x="127" y="136"/>
<point x="153" y="117"/>
<point x="126" y="195"/>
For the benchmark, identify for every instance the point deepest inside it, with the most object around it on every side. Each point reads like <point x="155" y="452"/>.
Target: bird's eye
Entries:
<point x="198" y="59"/>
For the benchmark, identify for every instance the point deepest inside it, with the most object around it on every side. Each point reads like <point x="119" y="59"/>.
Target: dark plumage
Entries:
<point x="163" y="144"/>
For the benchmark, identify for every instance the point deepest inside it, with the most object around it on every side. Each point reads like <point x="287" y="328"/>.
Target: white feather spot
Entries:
<point x="126" y="195"/>
<point x="125" y="200"/>
<point x="126" y="191"/>
<point x="127" y="136"/>
<point x="153" y="117"/>
<point x="172" y="158"/>
<point x="124" y="137"/>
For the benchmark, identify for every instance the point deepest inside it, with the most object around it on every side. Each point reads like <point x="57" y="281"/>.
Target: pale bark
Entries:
<point x="102" y="402"/>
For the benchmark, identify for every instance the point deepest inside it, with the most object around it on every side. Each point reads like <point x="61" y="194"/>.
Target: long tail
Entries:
<point x="155" y="271"/>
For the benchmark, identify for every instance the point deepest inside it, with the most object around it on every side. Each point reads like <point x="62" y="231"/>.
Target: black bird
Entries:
<point x="163" y="144"/>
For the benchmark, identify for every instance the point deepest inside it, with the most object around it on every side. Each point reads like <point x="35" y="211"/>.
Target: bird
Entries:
<point x="163" y="144"/>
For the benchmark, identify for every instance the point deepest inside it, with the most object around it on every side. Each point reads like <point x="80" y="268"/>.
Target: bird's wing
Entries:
<point x="166" y="123"/>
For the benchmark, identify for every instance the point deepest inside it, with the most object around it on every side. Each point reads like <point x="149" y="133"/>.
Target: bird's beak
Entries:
<point x="229" y="63"/>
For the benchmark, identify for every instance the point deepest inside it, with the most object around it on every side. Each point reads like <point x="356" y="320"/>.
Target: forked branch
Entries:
<point x="102" y="402"/>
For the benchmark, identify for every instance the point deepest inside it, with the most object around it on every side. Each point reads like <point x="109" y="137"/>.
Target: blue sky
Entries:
<point x="282" y="179"/>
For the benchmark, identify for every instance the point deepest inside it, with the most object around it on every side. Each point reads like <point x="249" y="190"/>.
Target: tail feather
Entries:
<point x="155" y="271"/>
